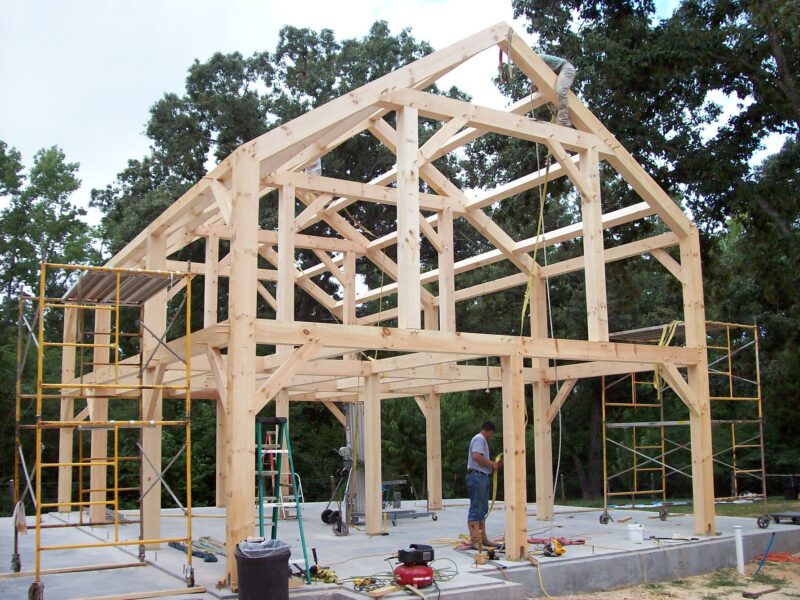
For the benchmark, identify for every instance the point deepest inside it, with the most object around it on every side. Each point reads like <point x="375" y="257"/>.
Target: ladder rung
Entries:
<point x="270" y="473"/>
<point x="270" y="447"/>
<point x="647" y="469"/>
<point x="649" y="447"/>
<point x="747" y="470"/>
<point x="271" y="451"/>
<point x="748" y="446"/>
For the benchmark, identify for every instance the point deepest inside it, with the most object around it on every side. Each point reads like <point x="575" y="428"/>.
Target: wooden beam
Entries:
<point x="397" y="340"/>
<point x="593" y="252"/>
<point x="211" y="281"/>
<point x="439" y="139"/>
<point x="561" y="397"/>
<point x="219" y="371"/>
<point x="240" y="430"/>
<point x="699" y="424"/>
<point x="430" y="233"/>
<point x="678" y="384"/>
<point x="355" y="190"/>
<point x="336" y="412"/>
<point x="65" y="435"/>
<point x="637" y="248"/>
<point x="498" y="121"/>
<point x="669" y="263"/>
<point x="284" y="373"/>
<point x="155" y="320"/>
<point x="222" y="199"/>
<point x="542" y="436"/>
<point x="408" y="294"/>
<point x="372" y="454"/>
<point x="433" y="450"/>
<point x="447" y="285"/>
<point x="516" y="527"/>
<point x="269" y="298"/>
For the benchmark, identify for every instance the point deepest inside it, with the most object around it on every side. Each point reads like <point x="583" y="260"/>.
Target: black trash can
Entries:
<point x="263" y="569"/>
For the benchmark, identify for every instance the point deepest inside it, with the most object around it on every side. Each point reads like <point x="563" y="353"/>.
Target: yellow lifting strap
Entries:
<point x="667" y="333"/>
<point x="494" y="485"/>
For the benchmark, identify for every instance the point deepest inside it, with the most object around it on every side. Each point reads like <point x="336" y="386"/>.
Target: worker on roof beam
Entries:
<point x="566" y="75"/>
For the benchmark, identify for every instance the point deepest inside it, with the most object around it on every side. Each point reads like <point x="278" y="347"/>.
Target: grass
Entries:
<point x="754" y="509"/>
<point x="724" y="578"/>
<point x="766" y="579"/>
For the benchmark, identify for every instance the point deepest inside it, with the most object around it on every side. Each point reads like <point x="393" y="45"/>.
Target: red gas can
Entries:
<point x="417" y="575"/>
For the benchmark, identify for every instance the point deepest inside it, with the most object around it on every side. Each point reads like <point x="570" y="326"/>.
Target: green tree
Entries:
<point x="38" y="223"/>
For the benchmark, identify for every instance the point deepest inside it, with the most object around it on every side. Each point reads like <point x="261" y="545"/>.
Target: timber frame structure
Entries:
<point x="320" y="361"/>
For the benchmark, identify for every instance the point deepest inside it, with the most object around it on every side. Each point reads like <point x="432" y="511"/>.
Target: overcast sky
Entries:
<point x="82" y="74"/>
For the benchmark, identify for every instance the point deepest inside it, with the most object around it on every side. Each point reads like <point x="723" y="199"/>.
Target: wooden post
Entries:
<point x="409" y="291"/>
<point x="700" y="425"/>
<point x="286" y="274"/>
<point x="595" y="265"/>
<point x="542" y="436"/>
<point x="155" y="318"/>
<point x="433" y="447"/>
<point x="240" y="484"/>
<point x="516" y="528"/>
<point x="65" y="435"/>
<point x="372" y="454"/>
<point x="447" y="286"/>
<point x="210" y="303"/>
<point x="98" y="411"/>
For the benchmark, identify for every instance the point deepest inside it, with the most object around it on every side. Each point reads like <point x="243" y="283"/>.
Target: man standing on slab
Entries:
<point x="479" y="484"/>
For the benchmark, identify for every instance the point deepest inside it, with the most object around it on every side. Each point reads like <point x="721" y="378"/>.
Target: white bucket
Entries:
<point x="636" y="533"/>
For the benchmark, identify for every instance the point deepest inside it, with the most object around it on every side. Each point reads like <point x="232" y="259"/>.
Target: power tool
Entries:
<point x="414" y="569"/>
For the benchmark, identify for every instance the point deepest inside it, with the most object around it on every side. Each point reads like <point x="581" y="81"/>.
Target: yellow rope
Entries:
<point x="539" y="231"/>
<point x="494" y="486"/>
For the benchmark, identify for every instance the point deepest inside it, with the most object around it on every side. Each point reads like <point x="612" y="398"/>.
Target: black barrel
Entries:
<point x="263" y="570"/>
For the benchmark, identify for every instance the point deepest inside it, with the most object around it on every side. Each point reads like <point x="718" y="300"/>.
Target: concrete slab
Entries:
<point x="612" y="559"/>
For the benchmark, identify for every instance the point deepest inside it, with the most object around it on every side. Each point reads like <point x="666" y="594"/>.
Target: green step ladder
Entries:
<point x="277" y="449"/>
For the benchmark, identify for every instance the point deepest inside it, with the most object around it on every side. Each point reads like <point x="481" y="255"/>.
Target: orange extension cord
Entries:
<point x="780" y="557"/>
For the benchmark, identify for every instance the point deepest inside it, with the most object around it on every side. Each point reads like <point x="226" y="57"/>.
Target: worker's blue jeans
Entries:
<point x="479" y="486"/>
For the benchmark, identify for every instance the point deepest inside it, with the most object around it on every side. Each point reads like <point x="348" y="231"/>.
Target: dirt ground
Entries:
<point x="720" y="585"/>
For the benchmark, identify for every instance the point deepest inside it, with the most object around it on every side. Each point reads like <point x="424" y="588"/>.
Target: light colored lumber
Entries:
<point x="276" y="381"/>
<point x="430" y="233"/>
<point x="336" y="412"/>
<point x="152" y="594"/>
<point x="593" y="251"/>
<point x="700" y="423"/>
<point x="447" y="286"/>
<point x="433" y="450"/>
<point x="542" y="436"/>
<point x="669" y="263"/>
<point x="67" y="409"/>
<point x="561" y="397"/>
<point x="155" y="320"/>
<point x="678" y="384"/>
<point x="372" y="454"/>
<point x="386" y="338"/>
<point x="514" y="478"/>
<point x="408" y="293"/>
<point x="498" y="121"/>
<point x="240" y="430"/>
<point x="222" y="199"/>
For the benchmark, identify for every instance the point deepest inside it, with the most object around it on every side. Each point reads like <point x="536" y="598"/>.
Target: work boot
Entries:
<point x="485" y="541"/>
<point x="562" y="118"/>
<point x="475" y="534"/>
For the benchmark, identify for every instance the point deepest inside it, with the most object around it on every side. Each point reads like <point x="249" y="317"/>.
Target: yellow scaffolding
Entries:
<point x="97" y="290"/>
<point x="735" y="394"/>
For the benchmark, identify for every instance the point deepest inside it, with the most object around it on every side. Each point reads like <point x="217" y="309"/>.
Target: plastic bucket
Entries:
<point x="635" y="533"/>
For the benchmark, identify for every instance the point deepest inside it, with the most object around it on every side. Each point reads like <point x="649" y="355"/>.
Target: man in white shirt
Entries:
<point x="480" y="467"/>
